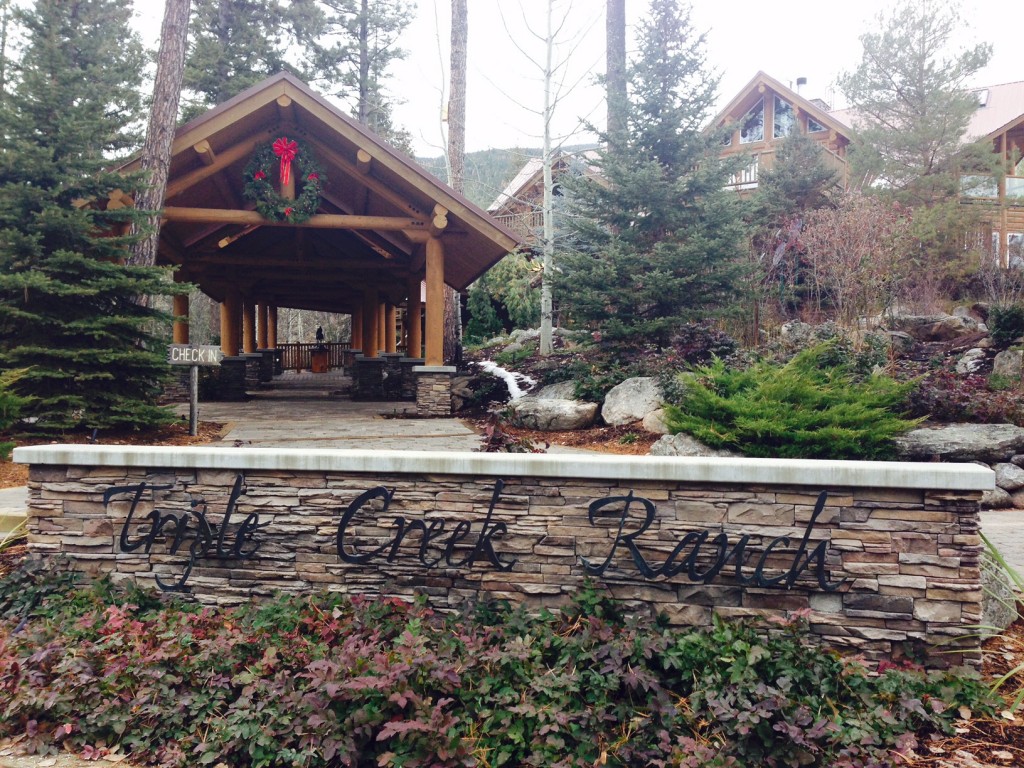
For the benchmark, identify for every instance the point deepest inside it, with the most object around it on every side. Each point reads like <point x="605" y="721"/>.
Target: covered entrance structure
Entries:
<point x="381" y="228"/>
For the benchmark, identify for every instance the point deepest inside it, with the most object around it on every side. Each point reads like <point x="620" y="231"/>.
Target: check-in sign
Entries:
<point x="194" y="354"/>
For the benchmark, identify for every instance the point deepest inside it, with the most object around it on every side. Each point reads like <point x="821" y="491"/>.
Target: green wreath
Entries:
<point x="309" y="180"/>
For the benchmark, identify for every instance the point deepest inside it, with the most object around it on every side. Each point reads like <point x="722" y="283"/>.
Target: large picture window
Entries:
<point x="784" y="119"/>
<point x="753" y="124"/>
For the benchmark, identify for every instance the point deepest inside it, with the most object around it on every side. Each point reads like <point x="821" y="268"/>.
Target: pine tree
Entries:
<point x="363" y="37"/>
<point x="67" y="299"/>
<point x="237" y="43"/>
<point x="658" y="238"/>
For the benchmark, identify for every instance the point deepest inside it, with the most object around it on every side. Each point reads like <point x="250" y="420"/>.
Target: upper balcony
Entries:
<point x="764" y="160"/>
<point x="989" y="188"/>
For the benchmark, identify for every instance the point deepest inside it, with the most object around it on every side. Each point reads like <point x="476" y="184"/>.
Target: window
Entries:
<point x="1015" y="250"/>
<point x="753" y="124"/>
<point x="784" y="119"/>
<point x="813" y="126"/>
<point x="979" y="186"/>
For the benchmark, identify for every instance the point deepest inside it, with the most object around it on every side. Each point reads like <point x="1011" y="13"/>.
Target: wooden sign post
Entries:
<point x="193" y="355"/>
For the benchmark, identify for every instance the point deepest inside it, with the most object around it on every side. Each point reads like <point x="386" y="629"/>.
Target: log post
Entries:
<point x="271" y="327"/>
<point x="435" y="302"/>
<point x="370" y="304"/>
<point x="181" y="319"/>
<point x="390" y="327"/>
<point x="414" y="319"/>
<point x="248" y="327"/>
<point x="262" y="325"/>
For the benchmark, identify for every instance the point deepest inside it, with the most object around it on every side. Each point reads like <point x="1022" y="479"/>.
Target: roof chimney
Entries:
<point x="800" y="83"/>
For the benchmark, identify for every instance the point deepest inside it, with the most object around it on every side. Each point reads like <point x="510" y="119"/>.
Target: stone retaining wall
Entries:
<point x="886" y="564"/>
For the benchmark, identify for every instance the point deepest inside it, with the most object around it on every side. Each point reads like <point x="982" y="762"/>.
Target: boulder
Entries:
<point x="631" y="401"/>
<point x="684" y="445"/>
<point x="932" y="327"/>
<point x="795" y="334"/>
<point x="1009" y="363"/>
<point x="1018" y="459"/>
<point x="971" y="362"/>
<point x="1009" y="477"/>
<point x="521" y="335"/>
<point x="989" y="443"/>
<point x="551" y="415"/>
<point x="654" y="422"/>
<point x="997" y="498"/>
<point x="1018" y="499"/>
<point x="563" y="390"/>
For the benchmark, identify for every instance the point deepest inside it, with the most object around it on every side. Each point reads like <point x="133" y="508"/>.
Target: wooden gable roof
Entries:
<point x="377" y="208"/>
<point x="756" y="88"/>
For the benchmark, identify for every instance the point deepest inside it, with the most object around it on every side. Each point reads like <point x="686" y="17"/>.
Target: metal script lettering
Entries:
<point x="684" y="556"/>
<point x="434" y="530"/>
<point x="208" y="541"/>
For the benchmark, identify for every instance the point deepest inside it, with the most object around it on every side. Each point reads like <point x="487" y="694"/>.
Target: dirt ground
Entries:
<point x="12" y="475"/>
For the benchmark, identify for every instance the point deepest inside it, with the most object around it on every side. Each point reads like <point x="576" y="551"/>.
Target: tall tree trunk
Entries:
<point x="363" y="108"/>
<point x="457" y="97"/>
<point x="615" y="75"/>
<point x="457" y="160"/>
<point x="5" y="15"/>
<point x="547" y="345"/>
<point x="156" y="152"/>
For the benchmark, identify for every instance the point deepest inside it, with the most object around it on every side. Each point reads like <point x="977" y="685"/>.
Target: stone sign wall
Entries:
<point x="882" y="557"/>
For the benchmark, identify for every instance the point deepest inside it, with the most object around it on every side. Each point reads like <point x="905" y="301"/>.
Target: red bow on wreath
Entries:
<point x="286" y="150"/>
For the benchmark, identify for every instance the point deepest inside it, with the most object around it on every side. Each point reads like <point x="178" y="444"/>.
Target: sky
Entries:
<point x="786" y="39"/>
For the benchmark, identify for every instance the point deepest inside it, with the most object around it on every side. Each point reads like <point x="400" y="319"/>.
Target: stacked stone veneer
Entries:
<point x="433" y="390"/>
<point x="903" y="538"/>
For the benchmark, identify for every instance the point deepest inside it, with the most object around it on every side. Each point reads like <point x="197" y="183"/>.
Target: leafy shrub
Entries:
<point x="803" y="409"/>
<point x="944" y="395"/>
<point x="1006" y="323"/>
<point x="325" y="680"/>
<point x="509" y="358"/>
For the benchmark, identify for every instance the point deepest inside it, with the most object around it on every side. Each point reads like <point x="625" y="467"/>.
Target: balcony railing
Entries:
<point x="527" y="224"/>
<point x="980" y="187"/>
<point x="765" y="161"/>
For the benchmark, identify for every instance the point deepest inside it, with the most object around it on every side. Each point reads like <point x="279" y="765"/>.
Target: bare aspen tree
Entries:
<point x="554" y="74"/>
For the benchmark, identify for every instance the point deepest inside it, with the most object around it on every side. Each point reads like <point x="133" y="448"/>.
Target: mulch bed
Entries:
<point x="628" y="440"/>
<point x="12" y="475"/>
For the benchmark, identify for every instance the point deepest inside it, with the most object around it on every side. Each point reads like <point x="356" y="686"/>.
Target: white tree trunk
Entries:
<point x="546" y="303"/>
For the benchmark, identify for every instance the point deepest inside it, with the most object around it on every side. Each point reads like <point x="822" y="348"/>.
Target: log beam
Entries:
<point x="317" y="221"/>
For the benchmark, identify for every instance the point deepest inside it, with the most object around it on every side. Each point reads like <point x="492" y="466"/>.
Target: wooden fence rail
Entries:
<point x="298" y="357"/>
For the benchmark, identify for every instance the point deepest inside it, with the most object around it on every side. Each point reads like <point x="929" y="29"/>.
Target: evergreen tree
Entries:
<point x="363" y="37"/>
<point x="909" y="92"/>
<point x="658" y="238"/>
<point x="67" y="308"/>
<point x="913" y="110"/>
<point x="235" y="44"/>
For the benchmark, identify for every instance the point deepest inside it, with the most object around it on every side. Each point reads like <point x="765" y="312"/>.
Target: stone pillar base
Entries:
<point x="253" y="363"/>
<point x="232" y="379"/>
<point x="392" y="376"/>
<point x="266" y="365"/>
<point x="368" y="378"/>
<point x="278" y="361"/>
<point x="408" y="377"/>
<point x="434" y="389"/>
<point x="176" y="388"/>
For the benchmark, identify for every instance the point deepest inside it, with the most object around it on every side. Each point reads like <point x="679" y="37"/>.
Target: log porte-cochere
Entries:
<point x="381" y="229"/>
